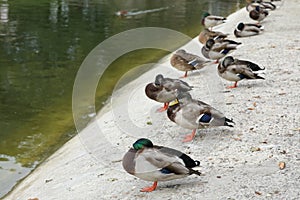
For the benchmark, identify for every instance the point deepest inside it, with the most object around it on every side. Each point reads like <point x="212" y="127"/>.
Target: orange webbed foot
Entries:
<point x="184" y="76"/>
<point x="190" y="137"/>
<point x="151" y="188"/>
<point x="162" y="109"/>
<point x="233" y="86"/>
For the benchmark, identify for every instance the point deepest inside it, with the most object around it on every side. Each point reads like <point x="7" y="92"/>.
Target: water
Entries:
<point x="43" y="43"/>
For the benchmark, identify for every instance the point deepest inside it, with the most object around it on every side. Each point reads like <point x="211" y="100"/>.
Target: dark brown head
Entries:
<point x="152" y="90"/>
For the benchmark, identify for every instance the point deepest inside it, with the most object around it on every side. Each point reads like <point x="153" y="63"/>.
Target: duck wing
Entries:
<point x="251" y="65"/>
<point x="242" y="71"/>
<point x="219" y="47"/>
<point x="188" y="161"/>
<point x="153" y="159"/>
<point x="176" y="84"/>
<point x="179" y="62"/>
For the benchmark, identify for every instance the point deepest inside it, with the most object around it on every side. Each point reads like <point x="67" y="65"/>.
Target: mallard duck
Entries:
<point x="207" y="34"/>
<point x="210" y="21"/>
<point x="157" y="163"/>
<point x="235" y="70"/>
<point x="263" y="4"/>
<point x="194" y="114"/>
<point x="268" y="5"/>
<point x="258" y="14"/>
<point x="164" y="90"/>
<point x="246" y="30"/>
<point x="214" y="50"/>
<point x="185" y="61"/>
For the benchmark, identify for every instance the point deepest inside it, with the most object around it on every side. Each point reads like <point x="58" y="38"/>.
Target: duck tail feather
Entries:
<point x="229" y="122"/>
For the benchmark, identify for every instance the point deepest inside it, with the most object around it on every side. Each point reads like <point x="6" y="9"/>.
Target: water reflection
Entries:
<point x="42" y="45"/>
<point x="3" y="13"/>
<point x="53" y="12"/>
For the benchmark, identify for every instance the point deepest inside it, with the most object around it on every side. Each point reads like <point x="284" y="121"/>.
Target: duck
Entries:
<point x="207" y="34"/>
<point x="164" y="90"/>
<point x="267" y="5"/>
<point x="185" y="61"/>
<point x="194" y="114"/>
<point x="258" y="14"/>
<point x="157" y="163"/>
<point x="215" y="50"/>
<point x="247" y="29"/>
<point x="251" y="4"/>
<point x="235" y="70"/>
<point x="210" y="21"/>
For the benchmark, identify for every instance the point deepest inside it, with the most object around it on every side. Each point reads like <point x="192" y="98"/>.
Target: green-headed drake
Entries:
<point x="185" y="61"/>
<point x="210" y="21"/>
<point x="194" y="114"/>
<point x="207" y="34"/>
<point x="247" y="29"/>
<point x="235" y="70"/>
<point x="164" y="90"/>
<point x="157" y="163"/>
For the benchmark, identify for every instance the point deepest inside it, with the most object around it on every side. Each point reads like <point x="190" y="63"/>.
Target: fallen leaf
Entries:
<point x="255" y="149"/>
<point x="258" y="193"/>
<point x="281" y="165"/>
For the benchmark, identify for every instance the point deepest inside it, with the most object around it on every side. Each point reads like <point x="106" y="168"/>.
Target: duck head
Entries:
<point x="240" y="26"/>
<point x="142" y="143"/>
<point x="227" y="61"/>
<point x="205" y="14"/>
<point x="158" y="79"/>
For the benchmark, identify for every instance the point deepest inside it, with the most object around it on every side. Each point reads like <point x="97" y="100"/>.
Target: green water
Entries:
<point x="42" y="45"/>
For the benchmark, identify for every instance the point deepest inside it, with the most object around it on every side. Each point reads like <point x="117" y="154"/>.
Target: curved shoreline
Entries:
<point x="231" y="168"/>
